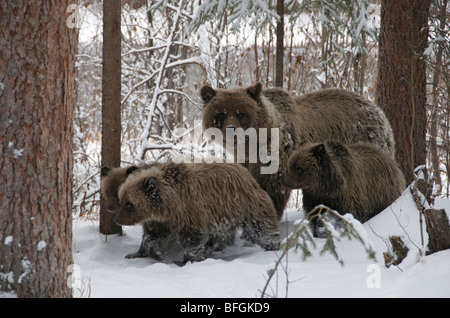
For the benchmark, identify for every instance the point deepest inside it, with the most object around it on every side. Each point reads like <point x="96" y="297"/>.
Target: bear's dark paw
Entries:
<point x="248" y="243"/>
<point x="138" y="254"/>
<point x="272" y="246"/>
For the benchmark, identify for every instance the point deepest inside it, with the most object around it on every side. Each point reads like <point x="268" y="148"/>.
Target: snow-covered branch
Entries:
<point x="160" y="71"/>
<point x="236" y="11"/>
<point x="157" y="89"/>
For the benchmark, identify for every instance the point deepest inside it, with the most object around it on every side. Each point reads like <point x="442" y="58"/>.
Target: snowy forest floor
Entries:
<point x="241" y="271"/>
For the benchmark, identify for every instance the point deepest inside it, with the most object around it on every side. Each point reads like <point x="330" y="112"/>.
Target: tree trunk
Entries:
<point x="401" y="91"/>
<point x="111" y="101"/>
<point x="37" y="58"/>
<point x="438" y="229"/>
<point x="280" y="45"/>
<point x="435" y="161"/>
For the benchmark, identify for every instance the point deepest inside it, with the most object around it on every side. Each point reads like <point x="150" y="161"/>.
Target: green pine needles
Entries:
<point x="331" y="226"/>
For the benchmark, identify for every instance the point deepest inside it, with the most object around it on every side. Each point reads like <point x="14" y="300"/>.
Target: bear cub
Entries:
<point x="111" y="180"/>
<point x="156" y="240"/>
<point x="202" y="206"/>
<point x="358" y="179"/>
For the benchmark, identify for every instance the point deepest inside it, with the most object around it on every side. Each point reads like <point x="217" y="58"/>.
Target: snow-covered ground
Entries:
<point x="102" y="271"/>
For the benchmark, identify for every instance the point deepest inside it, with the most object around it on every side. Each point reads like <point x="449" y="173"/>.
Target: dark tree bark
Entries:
<point x="438" y="229"/>
<point x="401" y="89"/>
<point x="280" y="46"/>
<point x="37" y="58"/>
<point x="111" y="101"/>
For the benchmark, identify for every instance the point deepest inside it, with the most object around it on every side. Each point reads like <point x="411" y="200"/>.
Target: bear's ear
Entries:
<point x="337" y="149"/>
<point x="131" y="169"/>
<point x="255" y="90"/>
<point x="172" y="171"/>
<point x="319" y="152"/>
<point x="104" y="171"/>
<point x="207" y="93"/>
<point x="151" y="190"/>
<point x="150" y="185"/>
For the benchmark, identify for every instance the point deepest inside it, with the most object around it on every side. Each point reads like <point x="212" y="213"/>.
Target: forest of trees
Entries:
<point x="130" y="82"/>
<point x="325" y="44"/>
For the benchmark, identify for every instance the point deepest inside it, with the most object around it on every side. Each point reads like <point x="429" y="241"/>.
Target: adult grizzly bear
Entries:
<point x="156" y="242"/>
<point x="202" y="205"/>
<point x="358" y="179"/>
<point x="326" y="114"/>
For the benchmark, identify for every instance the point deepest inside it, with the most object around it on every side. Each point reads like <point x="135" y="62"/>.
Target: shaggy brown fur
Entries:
<point x="202" y="205"/>
<point x="155" y="239"/>
<point x="323" y="115"/>
<point x="111" y="180"/>
<point x="358" y="179"/>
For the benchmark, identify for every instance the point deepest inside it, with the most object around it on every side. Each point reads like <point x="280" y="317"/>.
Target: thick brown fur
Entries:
<point x="314" y="117"/>
<point x="358" y="179"/>
<point x="154" y="241"/>
<point x="111" y="180"/>
<point x="202" y="205"/>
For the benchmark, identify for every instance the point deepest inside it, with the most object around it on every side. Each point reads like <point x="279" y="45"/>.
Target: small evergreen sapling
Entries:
<point x="335" y="228"/>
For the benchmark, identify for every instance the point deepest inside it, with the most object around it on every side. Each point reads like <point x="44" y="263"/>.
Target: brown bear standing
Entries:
<point x="202" y="205"/>
<point x="358" y="179"/>
<point x="327" y="114"/>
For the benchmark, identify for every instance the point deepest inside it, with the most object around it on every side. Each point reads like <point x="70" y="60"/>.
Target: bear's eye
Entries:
<point x="299" y="169"/>
<point x="129" y="207"/>
<point x="219" y="120"/>
<point x="243" y="119"/>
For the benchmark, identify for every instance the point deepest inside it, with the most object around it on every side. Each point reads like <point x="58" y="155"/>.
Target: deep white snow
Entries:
<point x="238" y="271"/>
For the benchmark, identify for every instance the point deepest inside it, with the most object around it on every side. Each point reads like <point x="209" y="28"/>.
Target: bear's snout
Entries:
<point x="122" y="220"/>
<point x="290" y="181"/>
